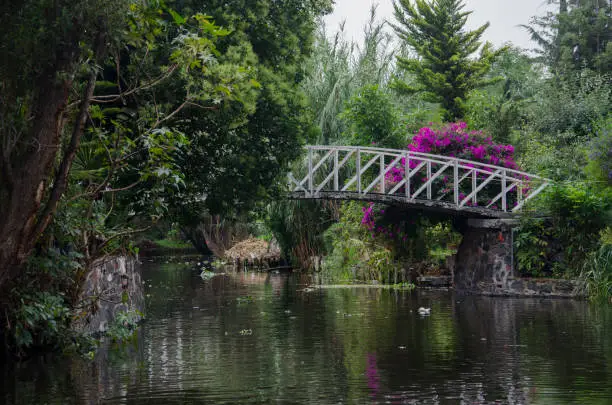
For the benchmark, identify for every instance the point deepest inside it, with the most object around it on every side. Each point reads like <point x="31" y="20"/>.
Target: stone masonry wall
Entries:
<point x="484" y="266"/>
<point x="113" y="285"/>
<point x="484" y="261"/>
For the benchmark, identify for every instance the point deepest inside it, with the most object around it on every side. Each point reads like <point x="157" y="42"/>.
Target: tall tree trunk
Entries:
<point x="30" y="171"/>
<point x="25" y="215"/>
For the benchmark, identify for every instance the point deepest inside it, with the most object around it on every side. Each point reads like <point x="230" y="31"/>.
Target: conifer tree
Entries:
<point x="445" y="71"/>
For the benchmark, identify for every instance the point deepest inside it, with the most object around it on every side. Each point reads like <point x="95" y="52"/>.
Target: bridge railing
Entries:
<point x="414" y="176"/>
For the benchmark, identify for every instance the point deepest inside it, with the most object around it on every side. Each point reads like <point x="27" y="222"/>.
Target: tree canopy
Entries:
<point x="577" y="36"/>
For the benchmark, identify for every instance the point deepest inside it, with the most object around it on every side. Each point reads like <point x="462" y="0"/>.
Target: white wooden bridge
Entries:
<point x="415" y="179"/>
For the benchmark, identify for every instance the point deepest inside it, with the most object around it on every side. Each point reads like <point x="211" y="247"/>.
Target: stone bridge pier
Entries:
<point x="484" y="261"/>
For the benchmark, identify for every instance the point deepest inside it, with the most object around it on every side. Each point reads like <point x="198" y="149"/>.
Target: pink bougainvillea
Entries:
<point x="451" y="140"/>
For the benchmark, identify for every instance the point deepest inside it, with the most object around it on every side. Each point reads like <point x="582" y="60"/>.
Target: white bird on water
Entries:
<point x="424" y="311"/>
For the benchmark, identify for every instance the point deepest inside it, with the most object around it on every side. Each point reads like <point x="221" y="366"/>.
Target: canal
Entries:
<point x="265" y="338"/>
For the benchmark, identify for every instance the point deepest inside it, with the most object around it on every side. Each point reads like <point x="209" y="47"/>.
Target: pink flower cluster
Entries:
<point x="369" y="221"/>
<point x="452" y="140"/>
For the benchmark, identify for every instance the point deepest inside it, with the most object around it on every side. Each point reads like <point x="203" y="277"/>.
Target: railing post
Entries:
<point x="503" y="184"/>
<point x="310" y="186"/>
<point x="474" y="185"/>
<point x="359" y="170"/>
<point x="407" y="174"/>
<point x="382" y="173"/>
<point x="456" y="181"/>
<point x="429" y="180"/>
<point x="336" y="185"/>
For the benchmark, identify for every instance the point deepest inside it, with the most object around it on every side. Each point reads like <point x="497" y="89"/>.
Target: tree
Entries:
<point x="39" y="70"/>
<point x="338" y="69"/>
<point x="445" y="70"/>
<point x="373" y="119"/>
<point x="502" y="108"/>
<point x="236" y="155"/>
<point x="106" y="85"/>
<point x="577" y="36"/>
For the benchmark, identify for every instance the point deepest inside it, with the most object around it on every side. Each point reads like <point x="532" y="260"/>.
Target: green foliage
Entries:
<point x="578" y="214"/>
<point x="532" y="247"/>
<point x="562" y="119"/>
<point x="441" y="242"/>
<point x="173" y="244"/>
<point x="338" y="69"/>
<point x="445" y="71"/>
<point x="606" y="236"/>
<point x="357" y="254"/>
<point x="40" y="321"/>
<point x="238" y="149"/>
<point x="372" y="119"/>
<point x="299" y="226"/>
<point x="502" y="107"/>
<point x="404" y="286"/>
<point x="596" y="275"/>
<point x="599" y="152"/>
<point x="353" y="255"/>
<point x="567" y="107"/>
<point x="575" y="37"/>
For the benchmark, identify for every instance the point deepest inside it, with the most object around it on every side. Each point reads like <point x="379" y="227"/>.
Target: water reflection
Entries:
<point x="260" y="338"/>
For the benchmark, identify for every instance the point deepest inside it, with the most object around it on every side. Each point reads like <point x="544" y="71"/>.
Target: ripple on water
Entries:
<point x="258" y="338"/>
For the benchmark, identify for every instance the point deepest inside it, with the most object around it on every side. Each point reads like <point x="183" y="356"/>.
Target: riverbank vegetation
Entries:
<point x="121" y="121"/>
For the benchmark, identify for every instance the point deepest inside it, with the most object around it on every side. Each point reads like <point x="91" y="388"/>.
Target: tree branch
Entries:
<point x="118" y="235"/>
<point x="111" y="98"/>
<point x="172" y="114"/>
<point x="115" y="190"/>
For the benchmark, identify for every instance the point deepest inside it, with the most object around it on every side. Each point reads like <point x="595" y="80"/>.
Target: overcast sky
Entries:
<point x="504" y="16"/>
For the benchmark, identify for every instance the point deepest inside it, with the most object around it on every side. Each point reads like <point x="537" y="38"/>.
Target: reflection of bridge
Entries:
<point x="416" y="179"/>
<point x="488" y="195"/>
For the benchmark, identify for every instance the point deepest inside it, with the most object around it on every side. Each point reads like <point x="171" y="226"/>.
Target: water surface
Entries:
<point x="260" y="338"/>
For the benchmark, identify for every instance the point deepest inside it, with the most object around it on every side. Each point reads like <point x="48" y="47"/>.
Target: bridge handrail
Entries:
<point x="510" y="179"/>
<point x="440" y="158"/>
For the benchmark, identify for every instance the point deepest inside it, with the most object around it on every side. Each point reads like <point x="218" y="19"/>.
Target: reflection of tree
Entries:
<point x="572" y="354"/>
<point x="328" y="346"/>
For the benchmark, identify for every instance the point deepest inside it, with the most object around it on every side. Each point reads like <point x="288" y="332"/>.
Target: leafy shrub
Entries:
<point x="298" y="226"/>
<point x="600" y="155"/>
<point x="596" y="275"/>
<point x="372" y="118"/>
<point x="566" y="108"/>
<point x="532" y="244"/>
<point x="40" y="321"/>
<point x="577" y="214"/>
<point x="353" y="254"/>
<point x="606" y="236"/>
